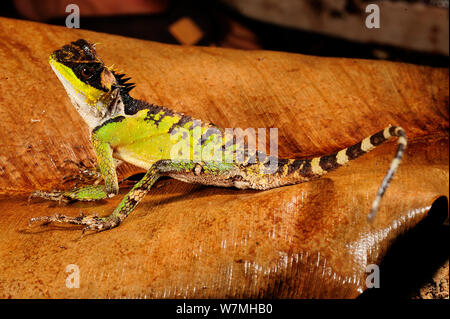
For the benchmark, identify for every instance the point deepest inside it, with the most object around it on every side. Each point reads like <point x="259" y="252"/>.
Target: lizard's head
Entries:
<point x="91" y="86"/>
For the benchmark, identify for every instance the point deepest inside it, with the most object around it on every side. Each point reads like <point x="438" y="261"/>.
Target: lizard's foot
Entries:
<point x="90" y="222"/>
<point x="58" y="196"/>
<point x="86" y="175"/>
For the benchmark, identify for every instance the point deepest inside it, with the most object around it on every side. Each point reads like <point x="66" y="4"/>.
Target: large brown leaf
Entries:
<point x="307" y="240"/>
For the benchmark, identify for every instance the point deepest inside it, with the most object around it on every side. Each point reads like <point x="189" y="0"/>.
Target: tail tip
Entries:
<point x="371" y="215"/>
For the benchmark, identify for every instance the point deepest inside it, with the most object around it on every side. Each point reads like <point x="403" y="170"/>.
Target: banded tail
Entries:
<point x="295" y="171"/>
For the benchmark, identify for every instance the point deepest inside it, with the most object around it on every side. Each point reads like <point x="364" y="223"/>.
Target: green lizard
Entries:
<point x="150" y="136"/>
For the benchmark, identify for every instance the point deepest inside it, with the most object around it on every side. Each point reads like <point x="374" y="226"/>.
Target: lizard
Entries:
<point x="131" y="130"/>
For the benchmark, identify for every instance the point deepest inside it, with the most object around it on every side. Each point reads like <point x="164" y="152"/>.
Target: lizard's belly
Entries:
<point x="145" y="152"/>
<point x="129" y="157"/>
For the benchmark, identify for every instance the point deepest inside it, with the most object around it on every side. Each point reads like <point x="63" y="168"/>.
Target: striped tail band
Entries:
<point x="318" y="166"/>
<point x="389" y="132"/>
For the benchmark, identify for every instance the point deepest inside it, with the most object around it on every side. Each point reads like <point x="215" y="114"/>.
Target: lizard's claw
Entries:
<point x="92" y="222"/>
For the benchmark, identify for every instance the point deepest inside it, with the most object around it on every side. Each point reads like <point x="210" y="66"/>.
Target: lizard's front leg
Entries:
<point x="88" y="193"/>
<point x="85" y="193"/>
<point x="107" y="168"/>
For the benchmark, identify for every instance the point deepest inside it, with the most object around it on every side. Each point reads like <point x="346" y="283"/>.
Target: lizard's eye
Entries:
<point x="87" y="72"/>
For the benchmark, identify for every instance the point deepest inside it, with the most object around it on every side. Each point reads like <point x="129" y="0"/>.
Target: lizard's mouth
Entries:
<point x="116" y="105"/>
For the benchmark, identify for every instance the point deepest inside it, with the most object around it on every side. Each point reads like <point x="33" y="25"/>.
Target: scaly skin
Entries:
<point x="166" y="143"/>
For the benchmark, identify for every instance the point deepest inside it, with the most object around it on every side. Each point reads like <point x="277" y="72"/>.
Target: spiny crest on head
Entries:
<point x="80" y="51"/>
<point x="122" y="82"/>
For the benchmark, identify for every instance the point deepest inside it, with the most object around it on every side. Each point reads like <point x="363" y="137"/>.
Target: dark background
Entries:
<point x="223" y="26"/>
